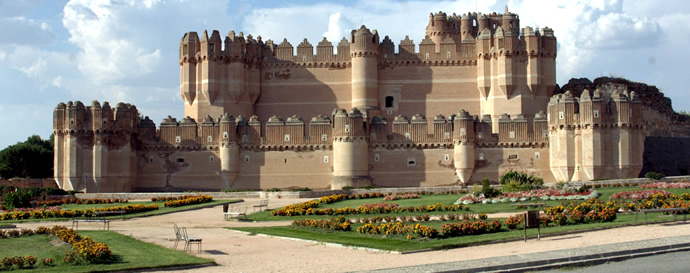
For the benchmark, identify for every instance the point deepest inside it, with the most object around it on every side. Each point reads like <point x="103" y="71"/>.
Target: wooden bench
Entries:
<point x="645" y="211"/>
<point x="234" y="212"/>
<point x="263" y="205"/>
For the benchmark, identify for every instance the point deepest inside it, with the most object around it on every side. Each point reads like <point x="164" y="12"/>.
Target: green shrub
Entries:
<point x="488" y="191"/>
<point x="274" y="190"/>
<point x="520" y="181"/>
<point x="20" y="198"/>
<point x="300" y="189"/>
<point x="348" y="188"/>
<point x="654" y="175"/>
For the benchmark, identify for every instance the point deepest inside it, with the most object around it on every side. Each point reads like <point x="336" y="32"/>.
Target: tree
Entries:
<point x="30" y="159"/>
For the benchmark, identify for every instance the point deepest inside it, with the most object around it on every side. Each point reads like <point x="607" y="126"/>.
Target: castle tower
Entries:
<point x="364" y="50"/>
<point x="229" y="151"/>
<point x="99" y="156"/>
<point x="593" y="151"/>
<point x="350" y="150"/>
<point x="441" y="27"/>
<point x="463" y="141"/>
<point x="561" y="115"/>
<point x="214" y="81"/>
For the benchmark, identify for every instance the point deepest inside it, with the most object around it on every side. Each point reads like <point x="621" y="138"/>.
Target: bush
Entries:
<point x="654" y="175"/>
<point x="488" y="191"/>
<point x="298" y="189"/>
<point x="19" y="198"/>
<point x="513" y="181"/>
<point x="274" y="190"/>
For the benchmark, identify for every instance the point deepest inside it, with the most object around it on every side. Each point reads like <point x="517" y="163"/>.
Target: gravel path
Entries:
<point x="240" y="252"/>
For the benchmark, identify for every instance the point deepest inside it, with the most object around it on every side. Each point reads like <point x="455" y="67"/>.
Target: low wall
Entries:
<point x="30" y="182"/>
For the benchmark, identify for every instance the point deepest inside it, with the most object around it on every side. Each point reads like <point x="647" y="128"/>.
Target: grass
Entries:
<point x="399" y="243"/>
<point x="130" y="254"/>
<point x="161" y="209"/>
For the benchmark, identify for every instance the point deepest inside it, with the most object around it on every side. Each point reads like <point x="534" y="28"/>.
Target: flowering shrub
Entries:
<point x="666" y="185"/>
<point x="547" y="194"/>
<point x="84" y="249"/>
<point x="469" y="227"/>
<point x="297" y="209"/>
<point x="399" y="228"/>
<point x="638" y="195"/>
<point x="310" y="208"/>
<point x="56" y="212"/>
<point x="332" y="198"/>
<point x="191" y="200"/>
<point x="513" y="221"/>
<point x="394" y="197"/>
<point x="336" y="224"/>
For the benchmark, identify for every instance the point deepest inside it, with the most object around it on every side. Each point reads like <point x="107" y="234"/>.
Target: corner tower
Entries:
<point x="350" y="150"/>
<point x="364" y="50"/>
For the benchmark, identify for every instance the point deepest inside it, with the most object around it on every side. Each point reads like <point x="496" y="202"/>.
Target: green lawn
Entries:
<point x="130" y="254"/>
<point x="399" y="243"/>
<point x="161" y="209"/>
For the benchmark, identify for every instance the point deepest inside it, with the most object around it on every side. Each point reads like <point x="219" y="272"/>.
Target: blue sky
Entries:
<point x="125" y="50"/>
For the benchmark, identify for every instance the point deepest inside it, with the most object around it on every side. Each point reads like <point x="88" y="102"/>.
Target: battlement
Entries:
<point x="613" y="107"/>
<point x="451" y="38"/>
<point x="74" y="117"/>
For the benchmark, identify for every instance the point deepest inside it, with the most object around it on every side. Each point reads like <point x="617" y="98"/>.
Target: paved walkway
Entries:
<point x="240" y="252"/>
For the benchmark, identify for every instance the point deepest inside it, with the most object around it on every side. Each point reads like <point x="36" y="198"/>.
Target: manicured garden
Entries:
<point x="59" y="249"/>
<point x="414" y="221"/>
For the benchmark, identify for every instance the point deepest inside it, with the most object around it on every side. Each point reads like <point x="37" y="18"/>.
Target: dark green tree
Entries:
<point x="30" y="159"/>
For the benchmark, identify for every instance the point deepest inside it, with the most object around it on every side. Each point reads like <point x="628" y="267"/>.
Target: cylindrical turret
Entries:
<point x="229" y="151"/>
<point x="364" y="48"/>
<point x="463" y="140"/>
<point x="466" y="26"/>
<point x="189" y="46"/>
<point x="350" y="150"/>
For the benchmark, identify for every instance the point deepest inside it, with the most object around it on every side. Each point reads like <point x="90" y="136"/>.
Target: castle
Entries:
<point x="472" y="100"/>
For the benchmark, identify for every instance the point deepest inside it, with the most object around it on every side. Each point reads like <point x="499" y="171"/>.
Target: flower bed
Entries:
<point x="78" y="201"/>
<point x="335" y="224"/>
<point x="638" y="195"/>
<point x="399" y="228"/>
<point x="532" y="195"/>
<point x="577" y="212"/>
<point x="84" y="249"/>
<point x="394" y="197"/>
<point x="650" y="199"/>
<point x="56" y="212"/>
<point x="666" y="185"/>
<point x="468" y="227"/>
<point x="189" y="200"/>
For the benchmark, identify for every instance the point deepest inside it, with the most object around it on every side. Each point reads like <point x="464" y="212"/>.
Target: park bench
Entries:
<point x="98" y="217"/>
<point x="263" y="205"/>
<point x="645" y="211"/>
<point x="234" y="212"/>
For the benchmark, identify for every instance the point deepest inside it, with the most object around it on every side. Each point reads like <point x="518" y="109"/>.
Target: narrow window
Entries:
<point x="180" y="160"/>
<point x="324" y="137"/>
<point x="561" y="115"/>
<point x="537" y="155"/>
<point x="596" y="113"/>
<point x="246" y="158"/>
<point x="287" y="138"/>
<point x="481" y="156"/>
<point x="512" y="134"/>
<point x="211" y="158"/>
<point x="304" y="58"/>
<point x="245" y="138"/>
<point x="347" y="128"/>
<point x="411" y="162"/>
<point x="225" y="134"/>
<point x="446" y="135"/>
<point x="427" y="55"/>
<point x="211" y="47"/>
<point x="463" y="131"/>
<point x="178" y="139"/>
<point x="389" y="102"/>
<point x="325" y="159"/>
<point x="480" y="135"/>
<point x="407" y="135"/>
<point x="446" y="157"/>
<point x="448" y="55"/>
<point x="376" y="157"/>
<point x="209" y="138"/>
